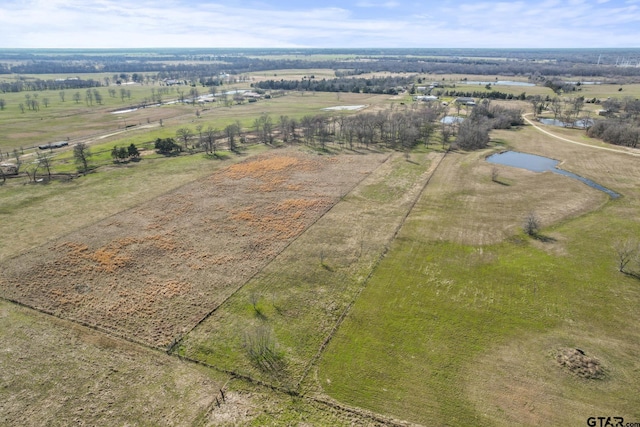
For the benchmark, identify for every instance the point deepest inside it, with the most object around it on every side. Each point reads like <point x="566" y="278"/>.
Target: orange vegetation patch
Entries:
<point x="154" y="271"/>
<point x="272" y="173"/>
<point x="261" y="168"/>
<point x="108" y="258"/>
<point x="283" y="220"/>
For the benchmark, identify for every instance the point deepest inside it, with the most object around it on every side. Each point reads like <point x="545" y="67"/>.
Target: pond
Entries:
<point x="497" y="83"/>
<point x="577" y="124"/>
<point x="345" y="107"/>
<point x="449" y="120"/>
<point x="542" y="164"/>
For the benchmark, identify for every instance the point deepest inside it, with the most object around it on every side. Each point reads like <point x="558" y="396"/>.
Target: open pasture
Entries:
<point x="293" y="74"/>
<point x="59" y="373"/>
<point x="440" y="312"/>
<point x="302" y="294"/>
<point x="56" y="372"/>
<point x="467" y="327"/>
<point x="68" y="120"/>
<point x="153" y="272"/>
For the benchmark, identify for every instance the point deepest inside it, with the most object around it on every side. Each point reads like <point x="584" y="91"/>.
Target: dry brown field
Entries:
<point x="58" y="373"/>
<point x="153" y="272"/>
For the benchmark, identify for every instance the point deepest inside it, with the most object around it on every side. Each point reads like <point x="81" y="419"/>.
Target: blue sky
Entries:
<point x="327" y="23"/>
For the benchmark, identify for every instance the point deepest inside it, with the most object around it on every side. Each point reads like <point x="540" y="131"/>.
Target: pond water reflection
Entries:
<point x="542" y="164"/>
<point x="577" y="124"/>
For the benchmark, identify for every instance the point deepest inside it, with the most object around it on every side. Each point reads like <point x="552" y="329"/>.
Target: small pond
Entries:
<point x="497" y="83"/>
<point x="449" y="120"/>
<point x="576" y="124"/>
<point x="542" y="164"/>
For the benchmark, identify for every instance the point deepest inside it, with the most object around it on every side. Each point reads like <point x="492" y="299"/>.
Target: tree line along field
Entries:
<point x="338" y="287"/>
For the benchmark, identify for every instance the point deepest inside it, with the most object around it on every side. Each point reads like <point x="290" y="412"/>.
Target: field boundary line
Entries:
<point x="97" y="328"/>
<point x="346" y="311"/>
<point x="177" y="340"/>
<point x="290" y="392"/>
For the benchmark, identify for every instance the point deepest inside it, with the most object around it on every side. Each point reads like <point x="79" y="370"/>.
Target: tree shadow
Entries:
<point x="544" y="239"/>
<point x="327" y="267"/>
<point x="633" y="274"/>
<point x="259" y="314"/>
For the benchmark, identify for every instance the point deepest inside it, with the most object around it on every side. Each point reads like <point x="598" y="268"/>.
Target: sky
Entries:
<point x="319" y="24"/>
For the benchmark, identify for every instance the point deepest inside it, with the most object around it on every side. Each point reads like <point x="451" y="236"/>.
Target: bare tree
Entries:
<point x="556" y="107"/>
<point x="264" y="128"/>
<point x="495" y="174"/>
<point x="81" y="155"/>
<point x="254" y="299"/>
<point x="231" y="131"/>
<point x="284" y="128"/>
<point x="263" y="350"/>
<point x="97" y="96"/>
<point x="210" y="137"/>
<point x="89" y="97"/>
<point x="32" y="170"/>
<point x="625" y="250"/>
<point x="194" y="94"/>
<point x="45" y="162"/>
<point x="531" y="224"/>
<point x="62" y="95"/>
<point x="184" y="135"/>
<point x="199" y="130"/>
<point x="447" y="132"/>
<point x="473" y="133"/>
<point x="16" y="155"/>
<point x="537" y="104"/>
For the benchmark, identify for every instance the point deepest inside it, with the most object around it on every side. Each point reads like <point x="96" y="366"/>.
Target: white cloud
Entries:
<point x="174" y="23"/>
<point x="388" y="4"/>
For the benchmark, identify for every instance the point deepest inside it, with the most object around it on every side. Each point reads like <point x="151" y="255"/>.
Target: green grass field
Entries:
<point x="448" y="333"/>
<point x="436" y="307"/>
<point x="327" y="264"/>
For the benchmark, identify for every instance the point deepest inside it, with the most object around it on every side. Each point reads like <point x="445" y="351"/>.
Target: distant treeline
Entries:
<point x="199" y="65"/>
<point x="494" y="94"/>
<point x="607" y="56"/>
<point x="388" y="85"/>
<point x="32" y="85"/>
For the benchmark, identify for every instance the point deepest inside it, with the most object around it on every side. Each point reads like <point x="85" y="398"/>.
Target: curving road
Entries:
<point x="576" y="142"/>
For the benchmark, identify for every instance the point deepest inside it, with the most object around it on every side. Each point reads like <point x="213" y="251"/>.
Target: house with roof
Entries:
<point x="465" y="100"/>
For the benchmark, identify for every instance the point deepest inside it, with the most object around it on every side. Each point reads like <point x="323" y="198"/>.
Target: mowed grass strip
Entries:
<point x="295" y="302"/>
<point x="426" y="339"/>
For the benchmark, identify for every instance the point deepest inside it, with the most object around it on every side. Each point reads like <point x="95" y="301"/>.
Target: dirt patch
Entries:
<point x="151" y="273"/>
<point x="577" y="362"/>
